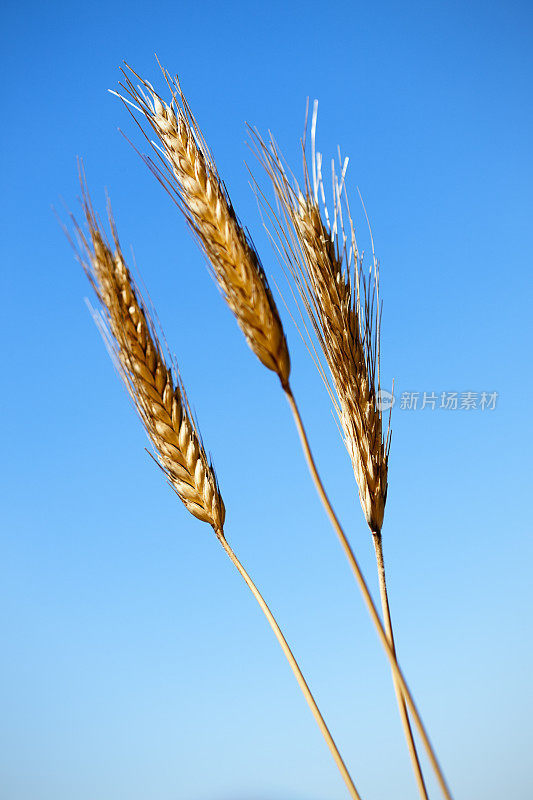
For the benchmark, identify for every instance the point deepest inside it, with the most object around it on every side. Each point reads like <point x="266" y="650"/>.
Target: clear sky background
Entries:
<point x="135" y="664"/>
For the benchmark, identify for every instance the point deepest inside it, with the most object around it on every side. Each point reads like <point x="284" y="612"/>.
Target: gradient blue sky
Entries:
<point x="134" y="663"/>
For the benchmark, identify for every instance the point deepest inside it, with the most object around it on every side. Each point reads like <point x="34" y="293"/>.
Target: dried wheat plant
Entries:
<point x="340" y="304"/>
<point x="187" y="170"/>
<point x="162" y="405"/>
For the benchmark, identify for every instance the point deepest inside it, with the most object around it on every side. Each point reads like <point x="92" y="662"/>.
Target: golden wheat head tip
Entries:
<point x="343" y="308"/>
<point x="158" y="396"/>
<point x="187" y="170"/>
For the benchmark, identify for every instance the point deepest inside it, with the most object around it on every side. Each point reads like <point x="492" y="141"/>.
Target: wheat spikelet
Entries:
<point x="346" y="324"/>
<point x="189" y="172"/>
<point x="159" y="397"/>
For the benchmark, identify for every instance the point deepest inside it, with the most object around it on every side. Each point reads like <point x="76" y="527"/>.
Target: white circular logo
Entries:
<point x="385" y="400"/>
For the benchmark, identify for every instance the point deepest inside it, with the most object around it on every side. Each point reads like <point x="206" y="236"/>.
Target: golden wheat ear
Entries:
<point x="154" y="386"/>
<point x="342" y="307"/>
<point x="186" y="168"/>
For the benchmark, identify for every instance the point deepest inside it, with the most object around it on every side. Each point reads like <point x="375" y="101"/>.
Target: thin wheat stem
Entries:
<point x="366" y="593"/>
<point x="378" y="546"/>
<point x="294" y="666"/>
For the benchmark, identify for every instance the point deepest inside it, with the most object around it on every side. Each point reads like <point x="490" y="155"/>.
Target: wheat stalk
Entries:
<point x="344" y="311"/>
<point x="164" y="410"/>
<point x="194" y="182"/>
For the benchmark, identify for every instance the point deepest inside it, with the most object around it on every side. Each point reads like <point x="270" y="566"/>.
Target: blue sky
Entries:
<point x="135" y="663"/>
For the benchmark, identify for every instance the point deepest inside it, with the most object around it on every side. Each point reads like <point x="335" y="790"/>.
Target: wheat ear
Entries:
<point x="190" y="173"/>
<point x="344" y="311"/>
<point x="157" y="393"/>
<point x="214" y="231"/>
<point x="163" y="408"/>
